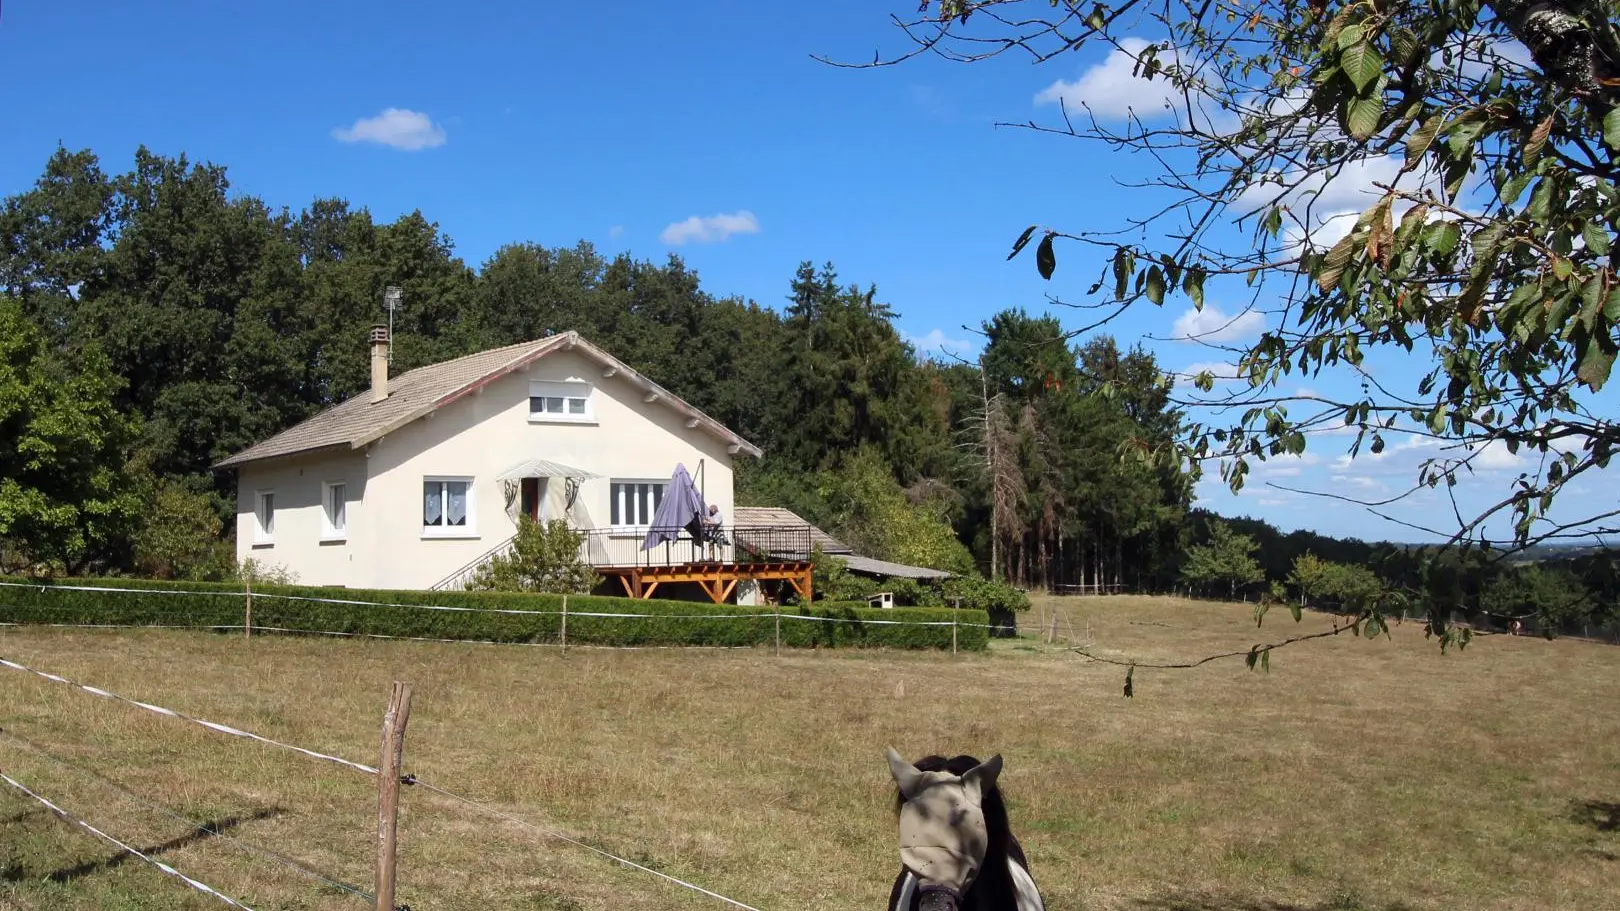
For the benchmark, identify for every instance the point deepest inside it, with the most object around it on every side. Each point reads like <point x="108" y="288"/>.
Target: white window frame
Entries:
<point x="615" y="505"/>
<point x="330" y="532"/>
<point x="264" y="521"/>
<point x="469" y="530"/>
<point x="575" y="398"/>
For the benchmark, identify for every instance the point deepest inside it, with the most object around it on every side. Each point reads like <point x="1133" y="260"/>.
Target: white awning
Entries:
<point x="542" y="468"/>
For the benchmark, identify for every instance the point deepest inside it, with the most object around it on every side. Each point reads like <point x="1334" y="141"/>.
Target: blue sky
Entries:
<point x="704" y="129"/>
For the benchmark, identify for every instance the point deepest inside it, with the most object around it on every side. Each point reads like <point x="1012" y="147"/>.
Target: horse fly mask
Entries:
<point x="957" y="852"/>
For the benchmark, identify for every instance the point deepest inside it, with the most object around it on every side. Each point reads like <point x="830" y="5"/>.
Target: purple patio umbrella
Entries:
<point x="682" y="507"/>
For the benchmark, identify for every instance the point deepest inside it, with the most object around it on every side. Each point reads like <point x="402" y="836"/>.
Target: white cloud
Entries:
<point x="1110" y="89"/>
<point x="1322" y="208"/>
<point x="1212" y="325"/>
<point x="1494" y="456"/>
<point x="711" y="229"/>
<point x="616" y="231"/>
<point x="937" y="341"/>
<point x="1361" y="481"/>
<point x="396" y="127"/>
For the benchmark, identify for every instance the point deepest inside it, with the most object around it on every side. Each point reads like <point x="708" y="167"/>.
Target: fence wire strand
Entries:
<point x="69" y="817"/>
<point x="518" y="820"/>
<point x="411" y="780"/>
<point x="165" y="811"/>
<point x="211" y="725"/>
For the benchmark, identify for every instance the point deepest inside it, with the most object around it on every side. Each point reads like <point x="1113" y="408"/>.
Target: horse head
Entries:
<point x="945" y="838"/>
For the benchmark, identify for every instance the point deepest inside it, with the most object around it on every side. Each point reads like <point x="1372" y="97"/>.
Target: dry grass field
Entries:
<point x="1356" y="775"/>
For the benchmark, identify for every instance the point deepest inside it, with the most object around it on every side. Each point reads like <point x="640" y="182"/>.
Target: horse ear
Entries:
<point x="982" y="777"/>
<point x="905" y="775"/>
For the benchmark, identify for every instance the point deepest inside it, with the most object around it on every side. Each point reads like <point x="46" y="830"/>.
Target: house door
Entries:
<point x="529" y="497"/>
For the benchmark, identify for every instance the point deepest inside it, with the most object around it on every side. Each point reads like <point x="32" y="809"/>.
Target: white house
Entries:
<point x="420" y="479"/>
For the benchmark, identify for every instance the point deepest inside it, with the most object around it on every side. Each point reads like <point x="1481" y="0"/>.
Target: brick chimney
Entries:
<point x="379" y="363"/>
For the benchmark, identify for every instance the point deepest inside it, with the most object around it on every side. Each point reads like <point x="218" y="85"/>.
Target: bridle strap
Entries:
<point x="938" y="898"/>
<point x="908" y="889"/>
<point x="911" y="888"/>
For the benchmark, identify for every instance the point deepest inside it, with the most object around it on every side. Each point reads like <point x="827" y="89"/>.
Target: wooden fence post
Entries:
<point x="393" y="754"/>
<point x="953" y="633"/>
<point x="247" y="617"/>
<point x="565" y="627"/>
<point x="778" y="616"/>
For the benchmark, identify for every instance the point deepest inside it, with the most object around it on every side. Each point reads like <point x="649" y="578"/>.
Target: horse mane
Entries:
<point x="993" y="889"/>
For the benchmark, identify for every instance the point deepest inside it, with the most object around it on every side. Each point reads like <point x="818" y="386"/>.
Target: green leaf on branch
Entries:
<point x="1334" y="262"/>
<point x="1597" y="239"/>
<point x="1402" y="44"/>
<point x="1021" y="241"/>
<point x="1193" y="284"/>
<point x="1611" y="129"/>
<point x="1444" y="236"/>
<point x="1361" y="116"/>
<point x="1123" y="261"/>
<point x="1418" y="143"/>
<point x="1537" y="142"/>
<point x="1155" y="285"/>
<point x="1513" y="188"/>
<point x="1361" y="63"/>
<point x="1595" y="366"/>
<point x="1541" y="201"/>
<point x="1045" y="259"/>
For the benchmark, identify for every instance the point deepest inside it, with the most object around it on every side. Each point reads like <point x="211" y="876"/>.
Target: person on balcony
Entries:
<point x="714" y="535"/>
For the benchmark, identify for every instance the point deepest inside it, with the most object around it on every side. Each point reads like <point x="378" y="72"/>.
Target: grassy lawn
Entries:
<point x="1356" y="775"/>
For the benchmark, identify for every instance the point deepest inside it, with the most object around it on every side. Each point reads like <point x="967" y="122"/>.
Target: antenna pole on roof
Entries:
<point x="392" y="296"/>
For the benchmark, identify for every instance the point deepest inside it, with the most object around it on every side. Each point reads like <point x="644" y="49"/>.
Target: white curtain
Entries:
<point x="455" y="502"/>
<point x="553" y="498"/>
<point x="595" y="546"/>
<point x="432" y="505"/>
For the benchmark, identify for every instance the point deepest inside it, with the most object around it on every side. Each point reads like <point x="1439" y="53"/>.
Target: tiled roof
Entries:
<point x="417" y="393"/>
<point x="747" y="517"/>
<point x="760" y="519"/>
<point x="860" y="564"/>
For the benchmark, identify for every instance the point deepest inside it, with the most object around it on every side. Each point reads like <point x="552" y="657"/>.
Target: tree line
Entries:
<point x="154" y="321"/>
<point x="1553" y="591"/>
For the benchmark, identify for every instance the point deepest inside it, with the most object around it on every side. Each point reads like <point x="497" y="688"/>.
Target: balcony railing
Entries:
<point x="606" y="548"/>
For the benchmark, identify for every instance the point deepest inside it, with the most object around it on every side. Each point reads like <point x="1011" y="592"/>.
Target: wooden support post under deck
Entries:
<point x="718" y="580"/>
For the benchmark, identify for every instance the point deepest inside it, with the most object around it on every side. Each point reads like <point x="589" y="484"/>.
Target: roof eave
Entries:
<point x="246" y="457"/>
<point x="714" y="427"/>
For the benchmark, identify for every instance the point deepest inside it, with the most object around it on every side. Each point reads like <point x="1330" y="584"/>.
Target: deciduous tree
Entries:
<point x="1485" y="135"/>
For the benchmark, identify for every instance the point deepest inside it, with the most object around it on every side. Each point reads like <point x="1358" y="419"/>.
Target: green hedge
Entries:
<point x="205" y="604"/>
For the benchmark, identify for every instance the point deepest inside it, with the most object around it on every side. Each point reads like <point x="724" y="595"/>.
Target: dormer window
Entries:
<point x="560" y="402"/>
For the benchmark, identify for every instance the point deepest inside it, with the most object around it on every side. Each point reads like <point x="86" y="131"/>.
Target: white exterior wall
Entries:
<point x="302" y="542"/>
<point x="478" y="437"/>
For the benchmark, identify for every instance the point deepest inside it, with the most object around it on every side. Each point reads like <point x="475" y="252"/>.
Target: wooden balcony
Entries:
<point x="716" y="564"/>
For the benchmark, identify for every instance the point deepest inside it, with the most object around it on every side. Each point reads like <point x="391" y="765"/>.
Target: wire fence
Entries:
<point x="508" y="611"/>
<point x="122" y="846"/>
<point x="208" y="830"/>
<point x="409" y="780"/>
